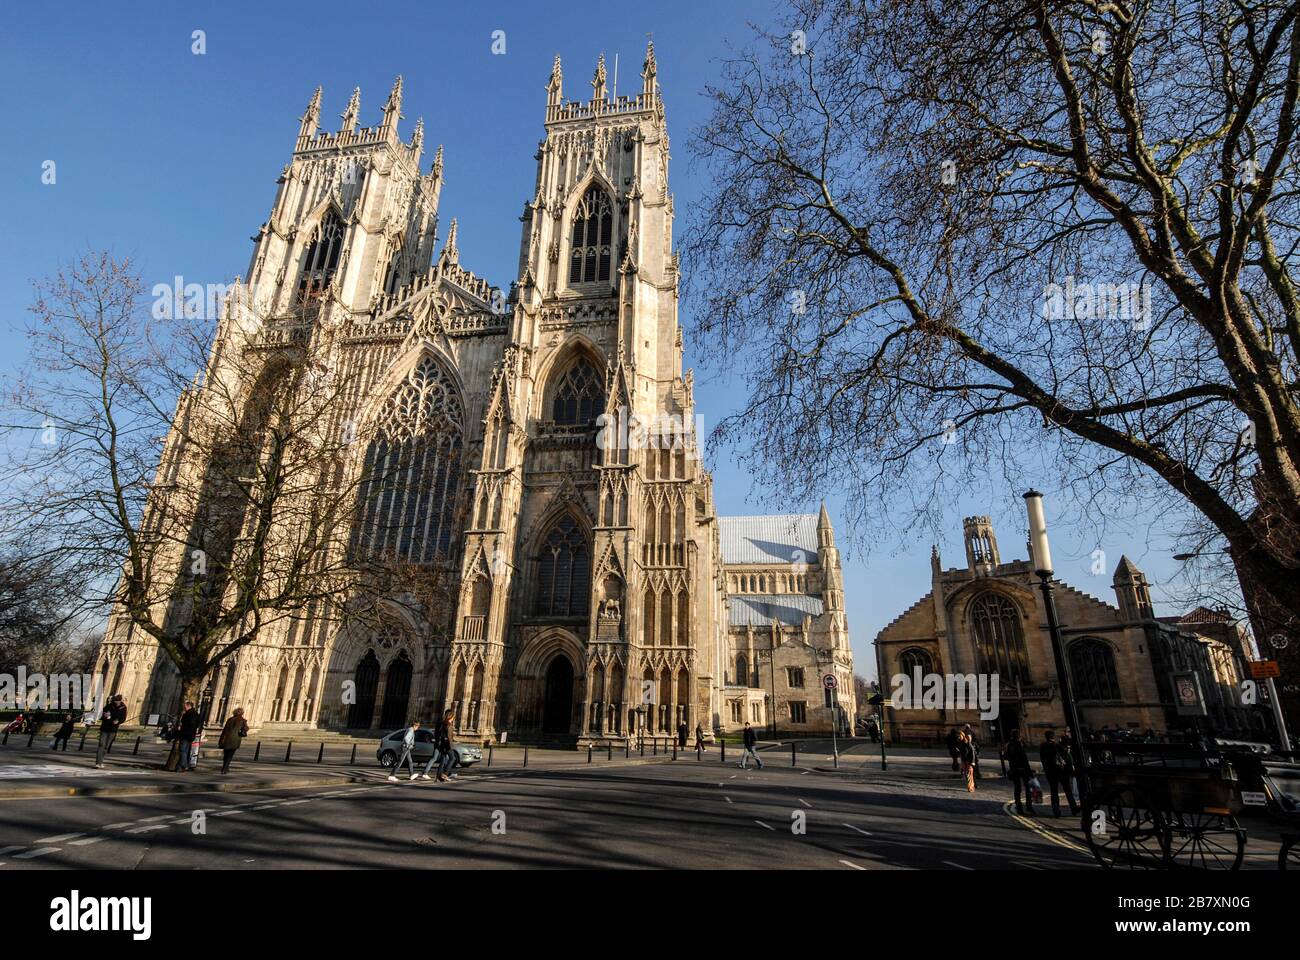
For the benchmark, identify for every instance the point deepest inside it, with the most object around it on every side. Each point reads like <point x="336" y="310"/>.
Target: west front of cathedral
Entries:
<point x="594" y="591"/>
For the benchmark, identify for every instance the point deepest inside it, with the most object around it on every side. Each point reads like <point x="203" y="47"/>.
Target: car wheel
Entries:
<point x="387" y="758"/>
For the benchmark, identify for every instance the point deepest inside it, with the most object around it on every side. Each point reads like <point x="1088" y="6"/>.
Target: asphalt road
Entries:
<point x="653" y="815"/>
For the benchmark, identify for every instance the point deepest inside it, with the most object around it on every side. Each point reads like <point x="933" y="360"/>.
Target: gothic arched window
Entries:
<point x="563" y="572"/>
<point x="412" y="470"/>
<point x="1092" y="668"/>
<point x="321" y="260"/>
<point x="578" y="396"/>
<point x="393" y="275"/>
<point x="910" y="660"/>
<point x="593" y="232"/>
<point x="1000" y="639"/>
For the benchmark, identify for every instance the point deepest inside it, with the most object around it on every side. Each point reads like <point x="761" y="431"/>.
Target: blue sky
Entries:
<point x="172" y="158"/>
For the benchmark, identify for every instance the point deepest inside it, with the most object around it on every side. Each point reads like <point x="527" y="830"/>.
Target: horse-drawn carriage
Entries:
<point x="1175" y="806"/>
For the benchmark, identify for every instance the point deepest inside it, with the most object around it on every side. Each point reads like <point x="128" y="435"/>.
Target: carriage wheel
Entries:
<point x="1204" y="841"/>
<point x="1288" y="858"/>
<point x="1123" y="829"/>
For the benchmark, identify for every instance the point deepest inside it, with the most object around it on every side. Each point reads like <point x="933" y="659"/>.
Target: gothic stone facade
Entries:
<point x="988" y="617"/>
<point x="595" y="597"/>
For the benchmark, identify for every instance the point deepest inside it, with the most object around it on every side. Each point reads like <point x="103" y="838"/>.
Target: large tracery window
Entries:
<point x="563" y="572"/>
<point x="910" y="660"/>
<point x="579" y="396"/>
<point x="412" y="468"/>
<point x="1092" y="668"/>
<point x="321" y="260"/>
<point x="1000" y="639"/>
<point x="593" y="230"/>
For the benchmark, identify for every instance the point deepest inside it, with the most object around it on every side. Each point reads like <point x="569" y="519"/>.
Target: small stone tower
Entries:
<point x="981" y="545"/>
<point x="1132" y="591"/>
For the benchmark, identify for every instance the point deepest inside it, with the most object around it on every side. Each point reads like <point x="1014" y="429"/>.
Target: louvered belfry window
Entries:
<point x="321" y="260"/>
<point x="407" y="496"/>
<point x="593" y="234"/>
<point x="563" y="572"/>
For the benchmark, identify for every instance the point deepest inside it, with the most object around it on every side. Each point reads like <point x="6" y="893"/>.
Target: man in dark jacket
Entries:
<point x="683" y="733"/>
<point x="1055" y="758"/>
<point x="114" y="716"/>
<point x="954" y="750"/>
<point x="1020" y="770"/>
<point x="751" y="741"/>
<point x="185" y="733"/>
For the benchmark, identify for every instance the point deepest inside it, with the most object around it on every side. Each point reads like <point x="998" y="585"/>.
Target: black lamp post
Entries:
<point x="1042" y="560"/>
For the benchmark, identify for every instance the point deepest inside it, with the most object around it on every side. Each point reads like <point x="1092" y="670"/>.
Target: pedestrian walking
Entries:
<point x="966" y="756"/>
<point x="683" y="734"/>
<point x="974" y="746"/>
<point x="953" y="751"/>
<point x="232" y="737"/>
<point x="1054" y="757"/>
<point x="699" y="737"/>
<point x="114" y="716"/>
<point x="446" y="737"/>
<point x="187" y="729"/>
<point x="751" y="741"/>
<point x="1020" y="770"/>
<point x="63" y="733"/>
<point x="408" y="748"/>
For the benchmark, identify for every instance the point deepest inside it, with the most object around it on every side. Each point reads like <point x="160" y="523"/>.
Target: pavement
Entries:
<point x="558" y="812"/>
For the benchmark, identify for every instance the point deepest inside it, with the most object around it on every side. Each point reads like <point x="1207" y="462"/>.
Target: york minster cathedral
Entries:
<point x="595" y="591"/>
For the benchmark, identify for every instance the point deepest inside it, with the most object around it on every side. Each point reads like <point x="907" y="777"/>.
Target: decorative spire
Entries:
<point x="598" y="85"/>
<point x="436" y="169"/>
<point x="450" y="253"/>
<point x="555" y="89"/>
<point x="352" y="113"/>
<point x="393" y="107"/>
<point x="417" y="139"/>
<point x="311" y="119"/>
<point x="650" y="70"/>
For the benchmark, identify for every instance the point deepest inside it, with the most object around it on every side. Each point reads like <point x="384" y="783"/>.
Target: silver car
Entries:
<point x="390" y="748"/>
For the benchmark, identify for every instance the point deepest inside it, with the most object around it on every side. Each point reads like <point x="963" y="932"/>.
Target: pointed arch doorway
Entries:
<point x="557" y="703"/>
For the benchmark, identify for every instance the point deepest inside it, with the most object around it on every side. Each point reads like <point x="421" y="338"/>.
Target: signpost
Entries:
<point x="1268" y="671"/>
<point x="830" y="683"/>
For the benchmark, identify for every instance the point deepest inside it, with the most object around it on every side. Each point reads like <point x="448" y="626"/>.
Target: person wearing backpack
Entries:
<point x="114" y="716"/>
<point x="232" y="737"/>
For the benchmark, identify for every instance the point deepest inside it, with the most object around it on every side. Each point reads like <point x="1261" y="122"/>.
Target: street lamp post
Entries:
<point x="1042" y="560"/>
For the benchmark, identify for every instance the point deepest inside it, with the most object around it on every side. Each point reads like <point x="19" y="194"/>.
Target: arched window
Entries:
<point x="564" y="572"/>
<point x="321" y="260"/>
<point x="1092" y="668"/>
<point x="578" y="397"/>
<point x="910" y="660"/>
<point x="742" y="671"/>
<point x="999" y="639"/>
<point x="593" y="232"/>
<point x="393" y="275"/>
<point x="412" y="470"/>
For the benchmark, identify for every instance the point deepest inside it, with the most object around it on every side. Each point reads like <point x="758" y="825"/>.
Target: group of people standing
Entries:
<point x="444" y="739"/>
<point x="1055" y="756"/>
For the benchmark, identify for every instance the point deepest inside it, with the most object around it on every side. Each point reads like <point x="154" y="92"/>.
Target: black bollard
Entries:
<point x="609" y="749"/>
<point x="353" y="761"/>
<point x="674" y="748"/>
<point x="257" y="751"/>
<point x="288" y="751"/>
<point x="82" y="744"/>
<point x="5" y="741"/>
<point x="654" y="748"/>
<point x="723" y="743"/>
<point x="794" y="754"/>
<point x="525" y="755"/>
<point x="321" y="756"/>
<point x="699" y="751"/>
<point x="136" y="751"/>
<point x="627" y="748"/>
<point x="32" y="738"/>
<point x="589" y="753"/>
<point x="489" y="753"/>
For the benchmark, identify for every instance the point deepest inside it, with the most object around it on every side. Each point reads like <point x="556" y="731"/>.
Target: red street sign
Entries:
<point x="1264" y="669"/>
<point x="829" y="681"/>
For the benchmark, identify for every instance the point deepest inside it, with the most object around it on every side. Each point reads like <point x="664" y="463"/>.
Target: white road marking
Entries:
<point x="958" y="865"/>
<point x="117" y="826"/>
<point x="156" y="826"/>
<point x="290" y="803"/>
<point x="728" y="799"/>
<point x="60" y="838"/>
<point x="764" y="825"/>
<point x="804" y="802"/>
<point x="859" y="829"/>
<point x="82" y="843"/>
<point x="153" y="819"/>
<point x="6" y="850"/>
<point x="855" y="866"/>
<point x="31" y="854"/>
<point x="227" y="813"/>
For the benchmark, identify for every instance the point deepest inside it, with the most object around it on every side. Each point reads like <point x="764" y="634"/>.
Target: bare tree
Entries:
<point x="200" y="462"/>
<point x="974" y="241"/>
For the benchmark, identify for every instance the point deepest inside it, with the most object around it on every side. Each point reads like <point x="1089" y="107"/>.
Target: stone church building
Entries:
<point x="987" y="617"/>
<point x="597" y="591"/>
